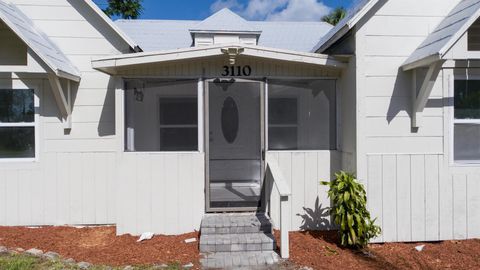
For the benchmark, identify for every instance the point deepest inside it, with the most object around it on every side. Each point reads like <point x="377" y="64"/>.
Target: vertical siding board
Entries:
<point x="311" y="184"/>
<point x="285" y="163"/>
<point x="51" y="188"/>
<point x="158" y="193"/>
<point x="431" y="199"/>
<point x="89" y="202"/>
<point x="446" y="207"/>
<point x="11" y="191"/>
<point x="459" y="206"/>
<point x="63" y="188"/>
<point x="389" y="208"/>
<point x="418" y="197"/>
<point x="112" y="189"/>
<point x="324" y="173"/>
<point x="3" y="198"/>
<point x="473" y="210"/>
<point x="298" y="188"/>
<point x="76" y="188"/>
<point x="101" y="188"/>
<point x="171" y="179"/>
<point x="24" y="198"/>
<point x="39" y="196"/>
<point x="185" y="212"/>
<point x="128" y="197"/>
<point x="404" y="226"/>
<point x="144" y="194"/>
<point x="374" y="172"/>
<point x="198" y="188"/>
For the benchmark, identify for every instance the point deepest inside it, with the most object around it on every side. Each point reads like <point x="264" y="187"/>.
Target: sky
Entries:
<point x="280" y="10"/>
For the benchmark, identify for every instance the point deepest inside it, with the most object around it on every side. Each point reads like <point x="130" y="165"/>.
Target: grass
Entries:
<point x="25" y="262"/>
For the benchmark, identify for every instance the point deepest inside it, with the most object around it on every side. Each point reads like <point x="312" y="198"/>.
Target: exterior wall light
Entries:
<point x="232" y="53"/>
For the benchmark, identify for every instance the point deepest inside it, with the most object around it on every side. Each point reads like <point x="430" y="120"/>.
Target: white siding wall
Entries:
<point x="73" y="181"/>
<point x="415" y="198"/>
<point x="309" y="202"/>
<point x="414" y="189"/>
<point x="160" y="192"/>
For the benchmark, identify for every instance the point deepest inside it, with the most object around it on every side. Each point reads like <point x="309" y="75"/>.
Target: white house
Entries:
<point x="152" y="124"/>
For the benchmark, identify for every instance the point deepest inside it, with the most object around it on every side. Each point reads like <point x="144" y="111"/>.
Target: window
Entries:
<point x="301" y="115"/>
<point x="178" y="124"/>
<point x="17" y="124"/>
<point x="467" y="120"/>
<point x="162" y="116"/>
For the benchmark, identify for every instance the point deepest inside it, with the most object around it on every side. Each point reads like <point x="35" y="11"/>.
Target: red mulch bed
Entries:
<point x="100" y="245"/>
<point x="319" y="250"/>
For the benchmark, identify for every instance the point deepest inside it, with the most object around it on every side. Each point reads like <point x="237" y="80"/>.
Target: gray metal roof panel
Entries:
<point x="36" y="40"/>
<point x="157" y="35"/>
<point x="450" y="29"/>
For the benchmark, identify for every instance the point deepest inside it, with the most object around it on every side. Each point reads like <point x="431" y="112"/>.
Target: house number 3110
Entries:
<point x="237" y="71"/>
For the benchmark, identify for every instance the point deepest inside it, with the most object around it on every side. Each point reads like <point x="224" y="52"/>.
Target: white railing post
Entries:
<point x="284" y="228"/>
<point x="284" y="191"/>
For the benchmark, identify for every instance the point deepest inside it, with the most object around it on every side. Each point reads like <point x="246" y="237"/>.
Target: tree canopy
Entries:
<point x="335" y="16"/>
<point x="126" y="9"/>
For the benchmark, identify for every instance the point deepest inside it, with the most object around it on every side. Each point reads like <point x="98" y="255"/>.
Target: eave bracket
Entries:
<point x="420" y="99"/>
<point x="63" y="100"/>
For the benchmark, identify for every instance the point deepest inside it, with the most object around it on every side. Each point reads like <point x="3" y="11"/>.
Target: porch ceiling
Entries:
<point x="112" y="64"/>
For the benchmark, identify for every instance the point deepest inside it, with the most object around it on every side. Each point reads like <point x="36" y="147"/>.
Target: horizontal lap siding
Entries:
<point x="309" y="201"/>
<point x="160" y="193"/>
<point x="93" y="98"/>
<point x="64" y="188"/>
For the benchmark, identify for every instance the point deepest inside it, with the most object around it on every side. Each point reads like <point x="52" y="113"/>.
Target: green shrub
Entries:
<point x="350" y="212"/>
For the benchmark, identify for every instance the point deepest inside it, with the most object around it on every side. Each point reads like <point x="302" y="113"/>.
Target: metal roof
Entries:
<point x="38" y="42"/>
<point x="158" y="35"/>
<point x="353" y="16"/>
<point x="224" y="20"/>
<point x="445" y="35"/>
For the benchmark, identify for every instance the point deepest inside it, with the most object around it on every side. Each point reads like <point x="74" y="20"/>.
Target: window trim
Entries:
<point x="34" y="124"/>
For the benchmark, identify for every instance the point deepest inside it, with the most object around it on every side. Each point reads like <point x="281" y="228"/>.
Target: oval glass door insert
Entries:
<point x="230" y="120"/>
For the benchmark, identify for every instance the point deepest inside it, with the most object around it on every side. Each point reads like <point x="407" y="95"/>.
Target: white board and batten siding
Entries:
<point x="413" y="189"/>
<point x="160" y="192"/>
<point x="303" y="171"/>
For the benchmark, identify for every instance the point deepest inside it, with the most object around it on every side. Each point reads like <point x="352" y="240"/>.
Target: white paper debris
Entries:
<point x="145" y="236"/>
<point x="419" y="248"/>
<point x="190" y="240"/>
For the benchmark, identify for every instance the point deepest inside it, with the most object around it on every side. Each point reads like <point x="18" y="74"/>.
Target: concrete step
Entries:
<point x="237" y="242"/>
<point x="233" y="260"/>
<point x="235" y="223"/>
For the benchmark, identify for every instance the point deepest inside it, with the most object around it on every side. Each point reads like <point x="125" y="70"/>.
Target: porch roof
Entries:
<point x="111" y="64"/>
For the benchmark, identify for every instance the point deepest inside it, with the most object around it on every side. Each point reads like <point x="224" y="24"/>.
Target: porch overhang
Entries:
<point x="111" y="65"/>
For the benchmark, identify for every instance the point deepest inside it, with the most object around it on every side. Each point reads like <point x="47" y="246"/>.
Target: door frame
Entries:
<point x="263" y="131"/>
